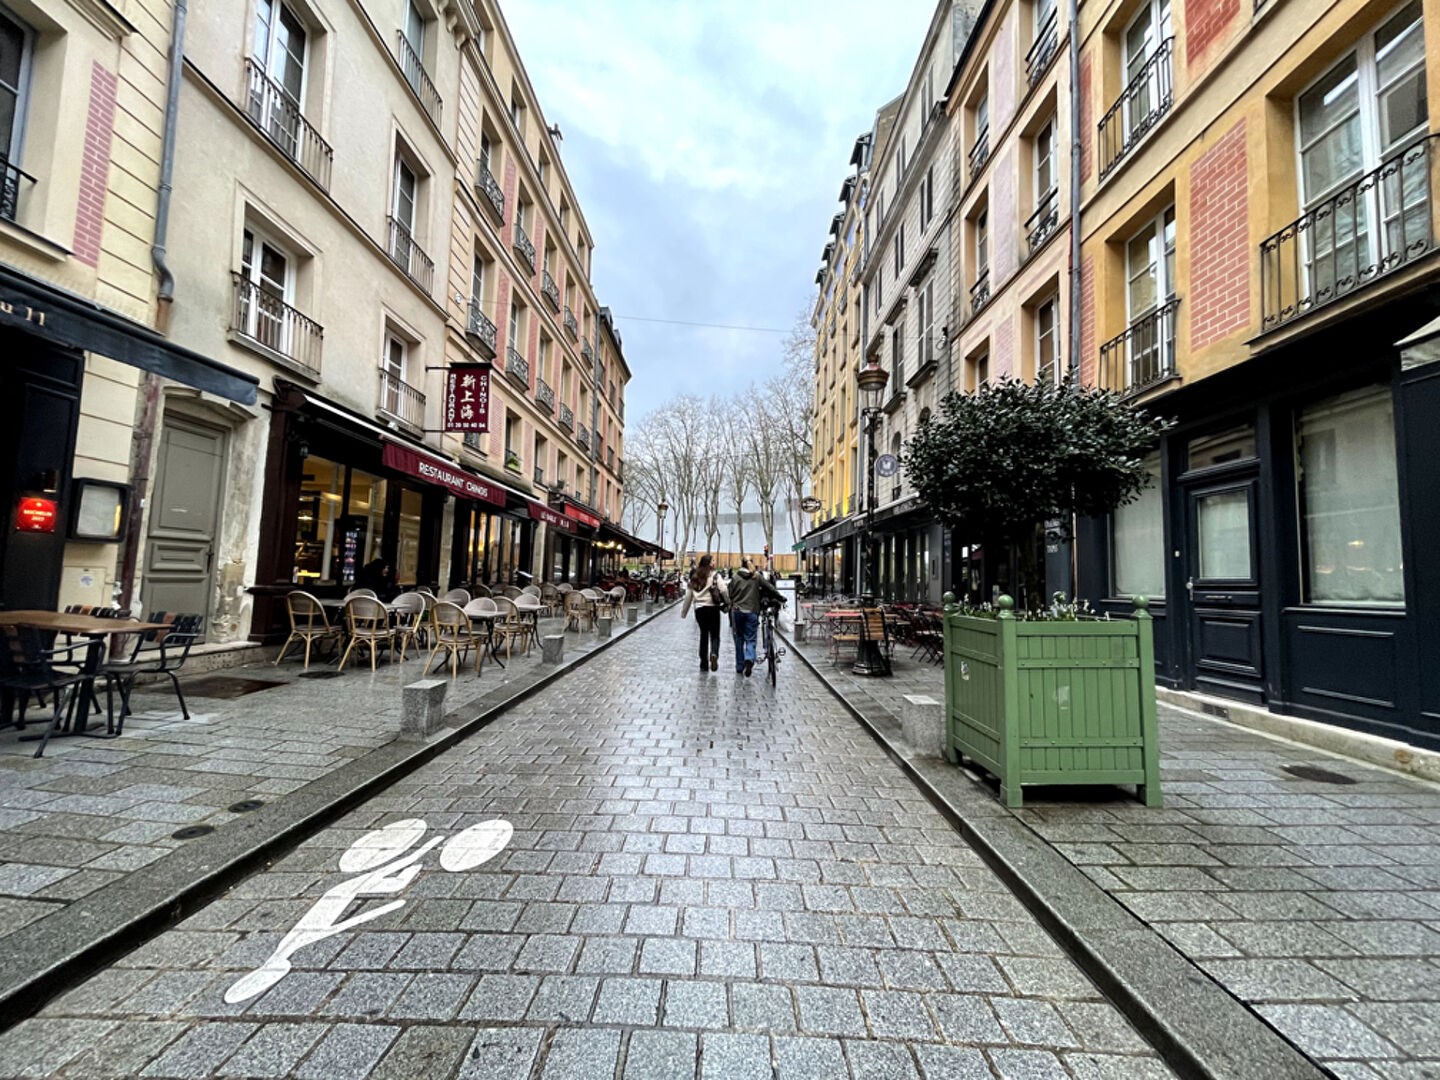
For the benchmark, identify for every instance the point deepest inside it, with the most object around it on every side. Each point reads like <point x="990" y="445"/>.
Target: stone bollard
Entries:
<point x="552" y="648"/>
<point x="922" y="719"/>
<point x="800" y="631"/>
<point x="649" y="606"/>
<point x="604" y="624"/>
<point x="422" y="708"/>
<point x="632" y="615"/>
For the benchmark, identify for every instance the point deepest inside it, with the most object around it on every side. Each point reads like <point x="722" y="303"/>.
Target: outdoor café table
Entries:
<point x="488" y="618"/>
<point x="87" y="626"/>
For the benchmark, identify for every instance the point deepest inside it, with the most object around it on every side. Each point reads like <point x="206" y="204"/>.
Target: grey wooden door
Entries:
<point x="184" y="519"/>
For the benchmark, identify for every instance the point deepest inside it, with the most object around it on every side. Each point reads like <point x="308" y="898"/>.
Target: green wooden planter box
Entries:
<point x="1053" y="702"/>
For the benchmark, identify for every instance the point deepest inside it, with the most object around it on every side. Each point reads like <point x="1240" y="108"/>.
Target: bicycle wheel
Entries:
<point x="770" y="651"/>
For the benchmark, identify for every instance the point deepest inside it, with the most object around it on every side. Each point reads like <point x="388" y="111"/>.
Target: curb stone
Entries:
<point x="49" y="956"/>
<point x="1199" y="1029"/>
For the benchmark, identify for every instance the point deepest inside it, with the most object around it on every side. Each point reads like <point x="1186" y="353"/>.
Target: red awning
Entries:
<point x="448" y="475"/>
<point x="540" y="512"/>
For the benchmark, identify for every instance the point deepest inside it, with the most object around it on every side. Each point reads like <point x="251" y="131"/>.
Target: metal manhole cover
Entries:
<point x="245" y="805"/>
<point x="221" y="686"/>
<point x="190" y="832"/>
<point x="1317" y="774"/>
<point x="320" y="674"/>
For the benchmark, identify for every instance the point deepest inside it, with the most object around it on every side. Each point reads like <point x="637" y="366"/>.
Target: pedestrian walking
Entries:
<point x="706" y="592"/>
<point x="747" y="591"/>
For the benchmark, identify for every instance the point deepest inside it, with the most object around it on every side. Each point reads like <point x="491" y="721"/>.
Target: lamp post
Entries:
<point x="871" y="381"/>
<point x="660" y="509"/>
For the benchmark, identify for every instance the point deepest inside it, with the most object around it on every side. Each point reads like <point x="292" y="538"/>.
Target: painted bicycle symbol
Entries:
<point x="383" y="868"/>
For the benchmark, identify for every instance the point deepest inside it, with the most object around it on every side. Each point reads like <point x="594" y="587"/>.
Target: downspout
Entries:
<point x="1076" y="274"/>
<point x="165" y="293"/>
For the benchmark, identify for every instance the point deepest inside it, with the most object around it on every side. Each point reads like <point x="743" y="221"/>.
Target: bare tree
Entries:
<point x="739" y="471"/>
<point x="791" y="396"/>
<point x="711" y="468"/>
<point x="677" y="427"/>
<point x="765" y="446"/>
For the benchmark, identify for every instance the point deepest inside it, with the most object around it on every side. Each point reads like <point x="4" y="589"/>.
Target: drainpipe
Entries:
<point x="1075" y="273"/>
<point x="165" y="294"/>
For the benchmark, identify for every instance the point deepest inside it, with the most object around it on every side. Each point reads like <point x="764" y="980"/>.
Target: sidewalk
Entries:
<point x="87" y="844"/>
<point x="1305" y="884"/>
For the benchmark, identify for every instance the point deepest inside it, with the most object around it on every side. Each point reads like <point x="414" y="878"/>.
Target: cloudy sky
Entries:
<point x="706" y="142"/>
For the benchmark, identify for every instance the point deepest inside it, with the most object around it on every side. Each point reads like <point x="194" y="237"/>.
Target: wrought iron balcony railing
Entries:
<point x="517" y="367"/>
<point x="980" y="291"/>
<point x="266" y="319"/>
<point x="565" y="416"/>
<point x="400" y="401"/>
<point x="490" y="189"/>
<point x="1047" y="40"/>
<point x="586" y="352"/>
<point x="480" y="330"/>
<point x="415" y="75"/>
<point x="1144" y="354"/>
<point x="407" y="255"/>
<point x="610" y="457"/>
<point x="582" y="436"/>
<point x="10" y="178"/>
<point x="1042" y="223"/>
<point x="571" y="326"/>
<point x="272" y="110"/>
<point x="550" y="290"/>
<point x="980" y="152"/>
<point x="1373" y="226"/>
<point x="1142" y="103"/>
<point x="523" y="247"/>
<point x="544" y="395"/>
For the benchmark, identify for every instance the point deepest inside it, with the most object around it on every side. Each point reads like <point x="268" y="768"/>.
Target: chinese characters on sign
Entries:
<point x="467" y="398"/>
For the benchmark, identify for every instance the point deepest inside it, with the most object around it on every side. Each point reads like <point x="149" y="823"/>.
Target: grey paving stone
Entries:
<point x="762" y="1007"/>
<point x="973" y="973"/>
<point x="367" y="993"/>
<point x="547" y="952"/>
<point x="1386" y="980"/>
<point x="952" y="1063"/>
<point x="424" y="1052"/>
<point x="1100" y="1026"/>
<point x="1042" y="977"/>
<point x="789" y="963"/>
<point x="501" y="997"/>
<point x="667" y="956"/>
<point x="1278" y="980"/>
<point x="1028" y="1065"/>
<point x="564" y="999"/>
<point x="897" y="1014"/>
<point x="581" y="1054"/>
<point x="661" y="1055"/>
<point x="631" y="1002"/>
<point x="810" y="1059"/>
<point x="501" y="1053"/>
<point x="696" y="1005"/>
<point x="199" y="1051"/>
<point x="847" y="967"/>
<point x="732" y="959"/>
<point x="1409" y="1025"/>
<point x="1033" y="1023"/>
<point x="298" y="994"/>
<point x="608" y="956"/>
<point x="735" y="1057"/>
<point x="1328" y="1031"/>
<point x="273" y="1050"/>
<point x="348" y="1050"/>
<point x="1115" y="1067"/>
<point x="432" y="996"/>
<point x="830" y="1011"/>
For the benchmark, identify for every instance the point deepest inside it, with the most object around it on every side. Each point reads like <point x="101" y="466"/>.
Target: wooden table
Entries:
<point x="88" y="626"/>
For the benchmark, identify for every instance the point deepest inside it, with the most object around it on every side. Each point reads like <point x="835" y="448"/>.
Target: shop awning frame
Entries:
<point x="64" y="318"/>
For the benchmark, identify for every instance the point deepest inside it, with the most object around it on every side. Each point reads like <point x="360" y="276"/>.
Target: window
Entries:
<point x="1147" y="32"/>
<point x="982" y="127"/>
<point x="979" y="370"/>
<point x="564" y="216"/>
<point x="542" y="450"/>
<point x="1349" y="500"/>
<point x="1138" y="541"/>
<point x="927" y="199"/>
<point x="1150" y="266"/>
<point x="414" y="28"/>
<point x="1044" y="12"/>
<point x="879" y="287"/>
<point x="486" y="147"/>
<point x="1047" y="340"/>
<point x="477" y="281"/>
<point x="544" y="357"/>
<point x="403" y="206"/>
<point x="513" y="340"/>
<point x="280" y="53"/>
<point x="1359" y="114"/>
<point x="1045" y="164"/>
<point x="897" y="348"/>
<point x="927" y="97"/>
<point x="393" y="363"/>
<point x="267" y="285"/>
<point x="16" y="41"/>
<point x="543" y="168"/>
<point x="899" y="251"/>
<point x="517" y="112"/>
<point x="925" y="311"/>
<point x="982" y="244"/>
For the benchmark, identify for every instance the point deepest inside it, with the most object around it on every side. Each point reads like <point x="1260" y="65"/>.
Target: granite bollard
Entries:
<point x="422" y="708"/>
<point x="603" y="625"/>
<point x="552" y="649"/>
<point x="922" y="719"/>
<point x="632" y="614"/>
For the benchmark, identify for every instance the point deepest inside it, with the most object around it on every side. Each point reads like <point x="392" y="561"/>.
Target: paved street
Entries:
<point x="704" y="878"/>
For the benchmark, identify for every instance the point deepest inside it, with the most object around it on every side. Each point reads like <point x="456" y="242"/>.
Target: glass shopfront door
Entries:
<point x="1223" y="588"/>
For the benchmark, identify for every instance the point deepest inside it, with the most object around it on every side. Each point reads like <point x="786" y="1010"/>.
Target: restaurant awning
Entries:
<point x="54" y="314"/>
<point x="633" y="544"/>
<point x="832" y="534"/>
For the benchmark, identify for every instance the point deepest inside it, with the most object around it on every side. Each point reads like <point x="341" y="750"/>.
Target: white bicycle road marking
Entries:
<point x="383" y="869"/>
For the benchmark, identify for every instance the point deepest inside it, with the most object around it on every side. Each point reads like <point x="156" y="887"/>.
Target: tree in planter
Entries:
<point x="996" y="464"/>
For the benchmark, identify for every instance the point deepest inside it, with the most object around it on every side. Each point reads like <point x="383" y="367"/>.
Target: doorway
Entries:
<point x="1223" y="588"/>
<point x="184" y="519"/>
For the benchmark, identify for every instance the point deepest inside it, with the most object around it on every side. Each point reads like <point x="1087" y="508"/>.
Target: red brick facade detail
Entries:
<point x="509" y="185"/>
<point x="1088" y="359"/>
<point x="95" y="166"/>
<point x="1087" y="134"/>
<point x="1219" y="241"/>
<point x="1003" y="361"/>
<point x="1205" y="22"/>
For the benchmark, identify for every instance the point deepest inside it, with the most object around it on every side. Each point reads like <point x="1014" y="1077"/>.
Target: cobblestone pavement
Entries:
<point x="1314" y="901"/>
<point x="91" y="812"/>
<point x="706" y="879"/>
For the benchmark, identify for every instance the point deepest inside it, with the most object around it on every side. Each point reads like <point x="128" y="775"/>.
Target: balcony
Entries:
<point x="565" y="417"/>
<point x="523" y="247"/>
<point x="1042" y="223"/>
<point x="10" y="188"/>
<point x="517" y="367"/>
<point x="550" y="291"/>
<point x="544" y="396"/>
<point x="481" y="331"/>
<point x="980" y="291"/>
<point x="512" y="460"/>
<point x="582" y="436"/>
<point x="406" y="254"/>
<point x="539" y="476"/>
<point x="278" y="116"/>
<point x="492" y="195"/>
<point x="1376" y="225"/>
<point x="980" y="152"/>
<point x="401" y="402"/>
<point x="586" y="352"/>
<point x="1144" y="355"/>
<point x="414" y="71"/>
<point x="1037" y="60"/>
<point x="262" y="318"/>
<point x="1141" y="105"/>
<point x="571" y="326"/>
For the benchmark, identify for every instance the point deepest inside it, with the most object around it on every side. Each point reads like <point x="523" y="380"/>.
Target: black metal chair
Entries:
<point x="156" y="652"/>
<point x="28" y="667"/>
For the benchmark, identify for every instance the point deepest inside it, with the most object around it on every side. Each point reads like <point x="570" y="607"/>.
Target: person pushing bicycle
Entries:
<point x="748" y="590"/>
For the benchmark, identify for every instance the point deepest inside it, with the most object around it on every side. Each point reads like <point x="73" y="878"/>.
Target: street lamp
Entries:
<point x="660" y="508"/>
<point x="871" y="381"/>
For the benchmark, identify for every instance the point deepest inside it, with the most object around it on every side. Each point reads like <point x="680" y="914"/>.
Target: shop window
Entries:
<point x="1138" y="548"/>
<point x="1222" y="448"/>
<point x="1349" y="500"/>
<point x="340" y="522"/>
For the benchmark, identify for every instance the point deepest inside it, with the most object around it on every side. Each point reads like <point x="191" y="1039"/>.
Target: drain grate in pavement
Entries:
<point x="245" y="805"/>
<point x="320" y="674"/>
<point x="221" y="686"/>
<point x="190" y="832"/>
<point x="1317" y="774"/>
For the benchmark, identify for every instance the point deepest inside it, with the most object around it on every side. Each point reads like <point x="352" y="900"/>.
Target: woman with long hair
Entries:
<point x="706" y="593"/>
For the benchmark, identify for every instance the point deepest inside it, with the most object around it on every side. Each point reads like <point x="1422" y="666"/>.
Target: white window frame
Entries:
<point x="15" y="150"/>
<point x="1042" y="195"/>
<point x="1042" y="12"/>
<point x="391" y="395"/>
<point x="414" y="19"/>
<point x="982" y="242"/>
<point x="1155" y="230"/>
<point x="272" y="44"/>
<point x="402" y="167"/>
<point x="254" y="275"/>
<point x="477" y="279"/>
<point x="1053" y="303"/>
<point x="925" y="311"/>
<point x="1160" y="29"/>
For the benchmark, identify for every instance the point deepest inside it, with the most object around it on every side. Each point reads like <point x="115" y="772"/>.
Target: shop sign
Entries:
<point x="549" y="517"/>
<point x="464" y="484"/>
<point x="36" y="515"/>
<point x="582" y="516"/>
<point x="467" y="398"/>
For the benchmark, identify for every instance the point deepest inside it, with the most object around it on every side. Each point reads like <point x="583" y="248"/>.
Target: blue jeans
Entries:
<point x="745" y="624"/>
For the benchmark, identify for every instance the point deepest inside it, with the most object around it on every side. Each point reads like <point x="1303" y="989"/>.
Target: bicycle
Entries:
<point x="767" y="638"/>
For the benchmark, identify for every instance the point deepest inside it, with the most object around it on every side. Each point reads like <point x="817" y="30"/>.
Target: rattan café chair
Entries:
<point x="308" y="624"/>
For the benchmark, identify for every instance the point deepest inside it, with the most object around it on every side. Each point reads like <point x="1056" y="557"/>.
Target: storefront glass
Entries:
<point x="493" y="549"/>
<point x="341" y="522"/>
<point x="1139" y="550"/>
<point x="407" y="552"/>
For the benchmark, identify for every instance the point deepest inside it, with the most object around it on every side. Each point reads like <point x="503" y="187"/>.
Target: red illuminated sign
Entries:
<point x="582" y="516"/>
<point x="36" y="515"/>
<point x="467" y="398"/>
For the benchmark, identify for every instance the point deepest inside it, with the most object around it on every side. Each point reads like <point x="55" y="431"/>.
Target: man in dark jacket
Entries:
<point x="748" y="590"/>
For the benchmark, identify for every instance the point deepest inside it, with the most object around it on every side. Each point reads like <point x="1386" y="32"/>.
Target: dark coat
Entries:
<point x="748" y="588"/>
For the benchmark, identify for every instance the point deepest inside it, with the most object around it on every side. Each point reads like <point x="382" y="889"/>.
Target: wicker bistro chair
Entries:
<point x="477" y="591"/>
<point x="458" y="597"/>
<point x="527" y="614"/>
<point x="550" y="599"/>
<point x="509" y="626"/>
<point x="564" y="587"/>
<point x="410" y="612"/>
<point x="578" y="611"/>
<point x="308" y="623"/>
<point x="451" y="634"/>
<point x="510" y="592"/>
<point x="368" y="625"/>
<point x="359" y="592"/>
